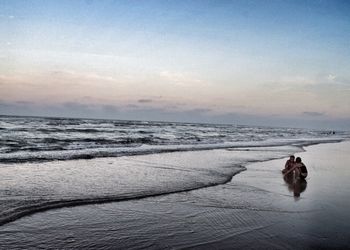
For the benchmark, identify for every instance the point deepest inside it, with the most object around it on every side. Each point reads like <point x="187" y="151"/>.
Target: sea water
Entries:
<point x="49" y="163"/>
<point x="34" y="139"/>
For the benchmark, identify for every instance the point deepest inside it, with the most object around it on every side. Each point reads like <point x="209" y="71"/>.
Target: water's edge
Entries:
<point x="20" y="212"/>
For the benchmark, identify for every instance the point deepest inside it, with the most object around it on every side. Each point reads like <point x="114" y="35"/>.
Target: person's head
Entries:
<point x="291" y="157"/>
<point x="298" y="160"/>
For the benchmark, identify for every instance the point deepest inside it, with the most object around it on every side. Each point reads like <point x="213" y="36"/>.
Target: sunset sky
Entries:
<point x="279" y="63"/>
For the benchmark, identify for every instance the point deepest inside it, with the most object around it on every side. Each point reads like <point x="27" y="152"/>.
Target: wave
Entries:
<point x="75" y="154"/>
<point x="26" y="210"/>
<point x="34" y="139"/>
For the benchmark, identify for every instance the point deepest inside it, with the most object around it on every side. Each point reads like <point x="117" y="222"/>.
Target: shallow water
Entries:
<point x="255" y="210"/>
<point x="32" y="187"/>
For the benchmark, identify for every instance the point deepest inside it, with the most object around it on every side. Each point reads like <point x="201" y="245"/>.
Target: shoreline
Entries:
<point x="75" y="203"/>
<point x="50" y="205"/>
<point x="256" y="205"/>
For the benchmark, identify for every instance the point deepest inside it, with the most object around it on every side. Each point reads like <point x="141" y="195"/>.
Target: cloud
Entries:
<point x="145" y="100"/>
<point x="331" y="77"/>
<point x="132" y="106"/>
<point x="74" y="105"/>
<point x="310" y="119"/>
<point x="85" y="76"/>
<point x="110" y="109"/>
<point x="301" y="80"/>
<point x="7" y="16"/>
<point x="312" y="113"/>
<point x="199" y="110"/>
<point x="178" y="78"/>
<point x="25" y="103"/>
<point x="290" y="82"/>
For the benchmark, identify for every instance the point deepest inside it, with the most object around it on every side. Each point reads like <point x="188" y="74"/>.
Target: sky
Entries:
<point x="273" y="63"/>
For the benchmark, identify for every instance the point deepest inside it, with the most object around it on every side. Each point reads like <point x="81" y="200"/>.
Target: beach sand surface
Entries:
<point x="257" y="209"/>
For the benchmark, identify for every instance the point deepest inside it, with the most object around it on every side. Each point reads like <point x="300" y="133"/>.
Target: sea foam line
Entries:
<point x="146" y="150"/>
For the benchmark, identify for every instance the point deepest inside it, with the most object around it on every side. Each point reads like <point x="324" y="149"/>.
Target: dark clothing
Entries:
<point x="303" y="171"/>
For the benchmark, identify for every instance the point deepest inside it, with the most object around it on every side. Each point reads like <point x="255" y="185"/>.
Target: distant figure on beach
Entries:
<point x="299" y="168"/>
<point x="289" y="164"/>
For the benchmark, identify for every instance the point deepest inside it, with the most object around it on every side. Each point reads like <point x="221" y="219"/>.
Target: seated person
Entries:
<point x="289" y="164"/>
<point x="299" y="169"/>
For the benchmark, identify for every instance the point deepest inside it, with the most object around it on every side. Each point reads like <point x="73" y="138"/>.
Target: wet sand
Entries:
<point x="258" y="209"/>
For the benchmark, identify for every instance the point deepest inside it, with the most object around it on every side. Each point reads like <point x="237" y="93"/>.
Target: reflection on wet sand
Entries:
<point x="295" y="185"/>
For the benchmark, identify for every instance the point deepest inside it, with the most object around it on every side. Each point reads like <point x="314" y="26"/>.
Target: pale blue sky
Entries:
<point x="257" y="62"/>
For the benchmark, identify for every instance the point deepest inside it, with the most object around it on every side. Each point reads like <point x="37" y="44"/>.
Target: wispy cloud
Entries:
<point x="7" y="16"/>
<point x="83" y="76"/>
<point x="331" y="77"/>
<point x="144" y="100"/>
<point x="178" y="78"/>
<point x="313" y="113"/>
<point x="199" y="110"/>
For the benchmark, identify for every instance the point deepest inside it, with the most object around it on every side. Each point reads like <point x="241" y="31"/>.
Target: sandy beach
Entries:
<point x="256" y="209"/>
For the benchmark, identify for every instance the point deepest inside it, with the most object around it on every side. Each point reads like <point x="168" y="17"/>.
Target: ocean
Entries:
<point x="37" y="139"/>
<point x="48" y="163"/>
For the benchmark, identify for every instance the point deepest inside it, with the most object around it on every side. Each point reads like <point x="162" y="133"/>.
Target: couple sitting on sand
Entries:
<point x="297" y="166"/>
